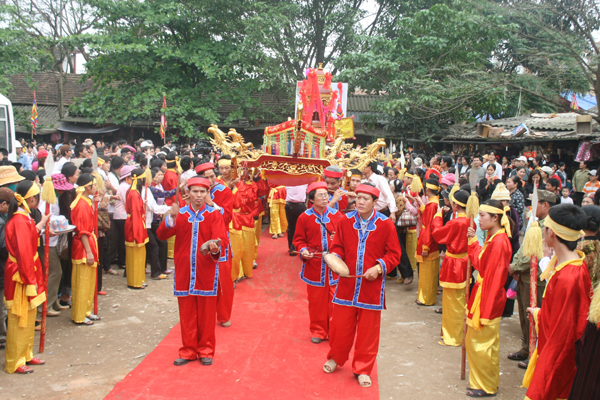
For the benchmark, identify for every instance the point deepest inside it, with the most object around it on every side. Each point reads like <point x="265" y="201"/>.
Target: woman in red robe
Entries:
<point x="84" y="252"/>
<point x="23" y="281"/>
<point x="487" y="299"/>
<point x="367" y="242"/>
<point x="428" y="254"/>
<point x="453" y="276"/>
<point x="562" y="319"/>
<point x="136" y="234"/>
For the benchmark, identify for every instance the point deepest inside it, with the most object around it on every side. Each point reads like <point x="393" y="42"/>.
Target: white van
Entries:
<point x="7" y="128"/>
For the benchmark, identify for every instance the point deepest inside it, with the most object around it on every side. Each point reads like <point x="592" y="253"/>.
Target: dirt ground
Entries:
<point x="85" y="362"/>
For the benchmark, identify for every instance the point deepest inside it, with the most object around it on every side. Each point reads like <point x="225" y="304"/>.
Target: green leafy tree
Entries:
<point x="189" y="51"/>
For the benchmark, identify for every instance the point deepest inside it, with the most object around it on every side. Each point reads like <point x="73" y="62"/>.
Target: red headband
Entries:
<point x="204" y="167"/>
<point x="368" y="189"/>
<point x="332" y="174"/>
<point x="198" y="181"/>
<point x="315" y="186"/>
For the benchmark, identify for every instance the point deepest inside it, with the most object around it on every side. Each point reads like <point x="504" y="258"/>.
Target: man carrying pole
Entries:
<point x="520" y="269"/>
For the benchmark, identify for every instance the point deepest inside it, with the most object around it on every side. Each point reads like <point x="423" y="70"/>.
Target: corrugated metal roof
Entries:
<point x="553" y="122"/>
<point x="361" y="102"/>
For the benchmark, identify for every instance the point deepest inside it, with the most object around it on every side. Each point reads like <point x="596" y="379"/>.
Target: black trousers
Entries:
<point x="292" y="213"/>
<point x="404" y="267"/>
<point x="120" y="224"/>
<point x="163" y="247"/>
<point x="152" y="254"/>
<point x="578" y="198"/>
<point x="100" y="261"/>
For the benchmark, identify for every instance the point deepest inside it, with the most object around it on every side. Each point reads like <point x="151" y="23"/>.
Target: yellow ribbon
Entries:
<point x="134" y="182"/>
<point x="475" y="321"/>
<point x="432" y="186"/>
<point x="409" y="175"/>
<point x="504" y="221"/>
<point x="80" y="191"/>
<point x="568" y="234"/>
<point x="33" y="190"/>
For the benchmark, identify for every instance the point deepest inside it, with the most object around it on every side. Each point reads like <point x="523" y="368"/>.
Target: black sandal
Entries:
<point x="516" y="356"/>
<point x="479" y="393"/>
<point x="438" y="311"/>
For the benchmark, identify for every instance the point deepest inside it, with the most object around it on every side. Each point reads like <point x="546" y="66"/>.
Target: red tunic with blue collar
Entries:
<point x="362" y="249"/>
<point x="195" y="274"/>
<point x="222" y="196"/>
<point x="313" y="236"/>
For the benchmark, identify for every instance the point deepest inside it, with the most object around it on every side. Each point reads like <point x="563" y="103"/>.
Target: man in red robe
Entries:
<point x="367" y="242"/>
<point x="170" y="180"/>
<point x="222" y="196"/>
<point x="563" y="316"/>
<point x="196" y="275"/>
<point x="314" y="231"/>
<point x="338" y="197"/>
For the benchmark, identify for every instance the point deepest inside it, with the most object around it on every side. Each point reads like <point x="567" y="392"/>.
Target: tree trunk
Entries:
<point x="59" y="95"/>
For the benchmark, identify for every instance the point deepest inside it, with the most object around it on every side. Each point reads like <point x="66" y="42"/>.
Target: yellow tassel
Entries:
<point x="148" y="174"/>
<point x="99" y="181"/>
<point x="533" y="244"/>
<point x="401" y="174"/>
<point x="455" y="188"/>
<point x="48" y="194"/>
<point x="594" y="316"/>
<point x="416" y="185"/>
<point x="472" y="210"/>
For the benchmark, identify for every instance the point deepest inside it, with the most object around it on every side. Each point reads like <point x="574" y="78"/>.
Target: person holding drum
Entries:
<point x="314" y="233"/>
<point x="367" y="244"/>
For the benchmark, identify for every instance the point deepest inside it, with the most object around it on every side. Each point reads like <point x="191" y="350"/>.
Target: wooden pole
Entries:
<point x="46" y="272"/>
<point x="533" y="303"/>
<point x="463" y="362"/>
<point x="98" y="250"/>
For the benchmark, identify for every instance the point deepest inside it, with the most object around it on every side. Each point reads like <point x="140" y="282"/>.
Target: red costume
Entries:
<point x="426" y="242"/>
<point x="492" y="265"/>
<point x="222" y="196"/>
<point x="311" y="235"/>
<point x="23" y="269"/>
<point x="82" y="217"/>
<point x="169" y="182"/>
<point x="454" y="235"/>
<point x="196" y="276"/>
<point x="136" y="233"/>
<point x="357" y="301"/>
<point x="560" y="323"/>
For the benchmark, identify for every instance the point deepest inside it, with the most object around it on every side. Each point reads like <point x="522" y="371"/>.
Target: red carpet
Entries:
<point x="265" y="354"/>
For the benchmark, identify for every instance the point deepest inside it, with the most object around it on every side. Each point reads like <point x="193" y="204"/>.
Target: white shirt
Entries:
<point x="54" y="210"/>
<point x="115" y="182"/>
<point x="296" y="194"/>
<point x="58" y="165"/>
<point x="152" y="207"/>
<point x="567" y="200"/>
<point x="498" y="169"/>
<point x="120" y="212"/>
<point x="386" y="198"/>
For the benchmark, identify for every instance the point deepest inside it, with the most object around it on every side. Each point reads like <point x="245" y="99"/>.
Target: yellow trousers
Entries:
<point x="482" y="352"/>
<point x="83" y="282"/>
<point x="279" y="222"/>
<point x="411" y="248"/>
<point x="19" y="341"/>
<point x="135" y="265"/>
<point x="243" y="248"/>
<point x="257" y="233"/>
<point x="453" y="306"/>
<point x="428" y="281"/>
<point x="170" y="247"/>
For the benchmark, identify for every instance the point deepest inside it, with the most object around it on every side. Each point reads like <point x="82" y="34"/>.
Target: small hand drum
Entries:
<point x="204" y="249"/>
<point x="336" y="264"/>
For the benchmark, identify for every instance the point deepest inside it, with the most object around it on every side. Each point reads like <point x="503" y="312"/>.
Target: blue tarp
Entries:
<point x="585" y="102"/>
